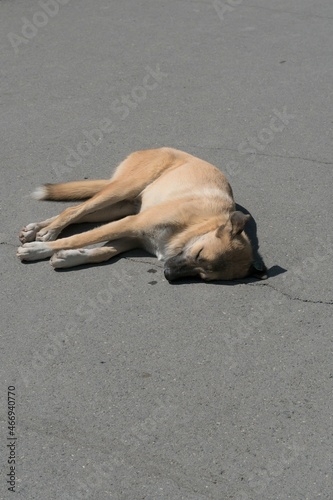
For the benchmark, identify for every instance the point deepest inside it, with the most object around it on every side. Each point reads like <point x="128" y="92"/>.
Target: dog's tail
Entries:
<point x="76" y="190"/>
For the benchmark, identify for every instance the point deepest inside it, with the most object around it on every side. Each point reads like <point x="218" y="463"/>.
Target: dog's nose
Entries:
<point x="168" y="274"/>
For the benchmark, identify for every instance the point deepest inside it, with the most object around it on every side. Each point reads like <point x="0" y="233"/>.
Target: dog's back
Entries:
<point x="188" y="177"/>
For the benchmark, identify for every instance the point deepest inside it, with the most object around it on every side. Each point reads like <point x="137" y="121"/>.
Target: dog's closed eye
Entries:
<point x="198" y="254"/>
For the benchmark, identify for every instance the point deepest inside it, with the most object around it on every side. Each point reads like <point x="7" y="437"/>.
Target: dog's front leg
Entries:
<point x="127" y="227"/>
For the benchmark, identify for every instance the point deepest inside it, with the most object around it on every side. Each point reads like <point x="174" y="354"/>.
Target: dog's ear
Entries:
<point x="235" y="224"/>
<point x="258" y="270"/>
<point x="238" y="221"/>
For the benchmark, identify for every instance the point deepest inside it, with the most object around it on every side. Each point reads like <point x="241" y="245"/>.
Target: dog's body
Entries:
<point x="175" y="206"/>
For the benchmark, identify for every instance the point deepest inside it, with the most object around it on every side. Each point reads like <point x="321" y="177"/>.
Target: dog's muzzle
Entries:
<point x="178" y="267"/>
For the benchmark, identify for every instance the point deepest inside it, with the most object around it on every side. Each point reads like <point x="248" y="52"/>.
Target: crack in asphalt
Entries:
<point x="307" y="16"/>
<point x="313" y="160"/>
<point x="143" y="262"/>
<point x="285" y="294"/>
<point x="290" y="297"/>
<point x="295" y="158"/>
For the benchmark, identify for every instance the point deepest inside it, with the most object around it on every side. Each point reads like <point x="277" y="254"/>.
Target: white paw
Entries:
<point x="35" y="250"/>
<point x="47" y="234"/>
<point x="28" y="233"/>
<point x="69" y="258"/>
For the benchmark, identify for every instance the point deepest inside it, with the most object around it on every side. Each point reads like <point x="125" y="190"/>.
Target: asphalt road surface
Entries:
<point x="124" y="386"/>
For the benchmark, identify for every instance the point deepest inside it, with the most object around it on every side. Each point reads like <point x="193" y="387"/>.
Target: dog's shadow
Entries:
<point x="250" y="230"/>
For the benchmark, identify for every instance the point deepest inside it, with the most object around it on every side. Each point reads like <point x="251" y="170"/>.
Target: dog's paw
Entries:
<point x="34" y="251"/>
<point x="69" y="258"/>
<point x="28" y="233"/>
<point x="47" y="234"/>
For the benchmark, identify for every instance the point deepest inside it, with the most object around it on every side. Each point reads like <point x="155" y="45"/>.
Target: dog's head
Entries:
<point x="224" y="253"/>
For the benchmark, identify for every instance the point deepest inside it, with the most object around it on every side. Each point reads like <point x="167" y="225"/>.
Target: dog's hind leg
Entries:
<point x="131" y="177"/>
<point x="108" y="214"/>
<point x="28" y="232"/>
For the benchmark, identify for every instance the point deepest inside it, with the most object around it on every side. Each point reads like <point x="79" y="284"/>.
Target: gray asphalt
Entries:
<point x="127" y="387"/>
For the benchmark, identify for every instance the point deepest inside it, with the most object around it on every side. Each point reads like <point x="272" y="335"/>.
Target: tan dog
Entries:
<point x="172" y="204"/>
